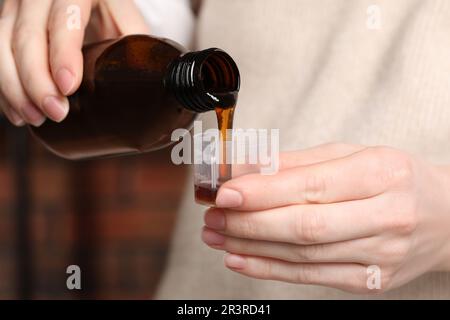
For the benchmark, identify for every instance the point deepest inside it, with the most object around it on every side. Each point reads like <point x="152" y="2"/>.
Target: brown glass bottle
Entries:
<point x="135" y="92"/>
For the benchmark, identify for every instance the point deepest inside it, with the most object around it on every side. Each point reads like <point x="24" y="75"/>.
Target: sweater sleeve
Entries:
<point x="173" y="19"/>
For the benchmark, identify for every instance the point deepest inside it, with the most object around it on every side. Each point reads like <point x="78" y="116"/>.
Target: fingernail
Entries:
<point x="212" y="238"/>
<point x="16" y="118"/>
<point x="228" y="198"/>
<point x="33" y="115"/>
<point x="65" y="80"/>
<point x="215" y="219"/>
<point x="234" y="261"/>
<point x="55" y="108"/>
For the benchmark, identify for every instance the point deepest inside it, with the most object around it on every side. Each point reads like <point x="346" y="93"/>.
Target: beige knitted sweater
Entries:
<point x="321" y="71"/>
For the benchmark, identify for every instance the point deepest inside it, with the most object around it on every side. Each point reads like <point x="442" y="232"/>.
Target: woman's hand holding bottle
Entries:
<point x="41" y="62"/>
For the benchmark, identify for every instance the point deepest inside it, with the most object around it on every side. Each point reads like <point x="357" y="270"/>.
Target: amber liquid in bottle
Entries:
<point x="135" y="92"/>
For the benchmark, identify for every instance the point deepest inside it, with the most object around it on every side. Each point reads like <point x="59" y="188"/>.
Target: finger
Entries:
<point x="354" y="251"/>
<point x="31" y="56"/>
<point x="16" y="103"/>
<point x="9" y="112"/>
<point x="127" y="17"/>
<point x="360" y="175"/>
<point x="8" y="9"/>
<point x="101" y="25"/>
<point x="67" y="23"/>
<point x="348" y="277"/>
<point x="292" y="159"/>
<point x="317" y="154"/>
<point x="305" y="224"/>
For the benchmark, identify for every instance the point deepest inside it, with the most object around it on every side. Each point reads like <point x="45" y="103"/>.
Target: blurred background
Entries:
<point x="112" y="217"/>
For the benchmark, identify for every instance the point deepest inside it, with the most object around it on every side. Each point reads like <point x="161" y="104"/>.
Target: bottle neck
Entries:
<point x="203" y="81"/>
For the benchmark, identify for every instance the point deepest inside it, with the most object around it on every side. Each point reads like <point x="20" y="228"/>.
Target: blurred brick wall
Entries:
<point x="111" y="217"/>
